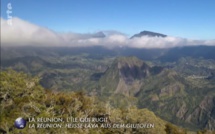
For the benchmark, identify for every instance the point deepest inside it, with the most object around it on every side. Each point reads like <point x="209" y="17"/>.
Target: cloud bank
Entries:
<point x="23" y="33"/>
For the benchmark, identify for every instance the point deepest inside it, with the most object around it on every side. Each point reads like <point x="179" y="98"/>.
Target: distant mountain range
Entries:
<point x="164" y="55"/>
<point x="142" y="33"/>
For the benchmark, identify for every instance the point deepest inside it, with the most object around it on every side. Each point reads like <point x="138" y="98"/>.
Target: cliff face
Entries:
<point x="178" y="99"/>
<point x="175" y="99"/>
<point x="126" y="75"/>
<point x="204" y="114"/>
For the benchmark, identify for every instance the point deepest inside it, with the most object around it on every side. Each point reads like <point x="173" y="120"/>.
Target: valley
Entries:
<point x="179" y="91"/>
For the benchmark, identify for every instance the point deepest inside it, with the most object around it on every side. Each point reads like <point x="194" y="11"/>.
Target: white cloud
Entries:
<point x="25" y="33"/>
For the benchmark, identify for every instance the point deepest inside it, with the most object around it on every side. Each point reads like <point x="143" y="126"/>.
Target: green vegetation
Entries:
<point x="22" y="96"/>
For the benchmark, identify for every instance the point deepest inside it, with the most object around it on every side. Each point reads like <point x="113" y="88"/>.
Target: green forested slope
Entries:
<point x="22" y="96"/>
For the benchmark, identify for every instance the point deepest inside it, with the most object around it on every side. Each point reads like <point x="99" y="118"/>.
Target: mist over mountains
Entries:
<point x="23" y="33"/>
<point x="145" y="45"/>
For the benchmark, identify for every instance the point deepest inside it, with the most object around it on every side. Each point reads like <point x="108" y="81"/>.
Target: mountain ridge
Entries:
<point x="149" y="34"/>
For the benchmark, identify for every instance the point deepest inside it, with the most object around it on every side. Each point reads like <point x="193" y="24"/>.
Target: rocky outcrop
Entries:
<point x="203" y="115"/>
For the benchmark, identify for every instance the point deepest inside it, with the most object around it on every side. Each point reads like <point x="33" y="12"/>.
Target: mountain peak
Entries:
<point x="129" y="68"/>
<point x="149" y="34"/>
<point x="130" y="61"/>
<point x="99" y="35"/>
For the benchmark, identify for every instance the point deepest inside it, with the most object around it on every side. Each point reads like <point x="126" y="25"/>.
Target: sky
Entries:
<point x="189" y="20"/>
<point x="184" y="18"/>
